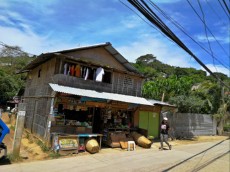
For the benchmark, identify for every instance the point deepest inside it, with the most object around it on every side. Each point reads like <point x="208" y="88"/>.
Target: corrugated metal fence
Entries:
<point x="187" y="125"/>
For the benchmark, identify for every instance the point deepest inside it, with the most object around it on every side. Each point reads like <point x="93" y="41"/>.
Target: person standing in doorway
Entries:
<point x="164" y="133"/>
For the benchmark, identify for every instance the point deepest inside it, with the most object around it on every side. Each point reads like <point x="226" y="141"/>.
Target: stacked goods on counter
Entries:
<point x="141" y="140"/>
<point x="92" y="146"/>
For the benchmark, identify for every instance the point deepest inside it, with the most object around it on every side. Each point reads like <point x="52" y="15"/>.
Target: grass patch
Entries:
<point x="54" y="155"/>
<point x="14" y="158"/>
<point x="29" y="137"/>
<point x="43" y="146"/>
<point x="30" y="140"/>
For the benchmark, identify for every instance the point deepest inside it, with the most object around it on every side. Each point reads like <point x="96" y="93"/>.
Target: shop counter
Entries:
<point x="56" y="138"/>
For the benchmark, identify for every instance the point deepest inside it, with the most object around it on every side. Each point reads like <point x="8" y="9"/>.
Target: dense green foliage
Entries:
<point x="12" y="59"/>
<point x="189" y="89"/>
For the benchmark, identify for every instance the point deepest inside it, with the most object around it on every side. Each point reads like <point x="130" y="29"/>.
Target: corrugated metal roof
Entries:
<point x="102" y="95"/>
<point x="83" y="48"/>
<point x="108" y="46"/>
<point x="120" y="58"/>
<point x="156" y="102"/>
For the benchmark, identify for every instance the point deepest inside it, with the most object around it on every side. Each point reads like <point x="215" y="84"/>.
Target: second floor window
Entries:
<point x="87" y="73"/>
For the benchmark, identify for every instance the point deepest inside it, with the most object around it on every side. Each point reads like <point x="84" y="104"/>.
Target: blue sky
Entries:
<point x="40" y="26"/>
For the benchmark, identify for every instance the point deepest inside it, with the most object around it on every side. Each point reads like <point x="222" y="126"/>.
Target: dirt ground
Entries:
<point x="31" y="147"/>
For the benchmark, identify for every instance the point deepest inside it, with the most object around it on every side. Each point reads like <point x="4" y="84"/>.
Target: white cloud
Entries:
<point x="203" y="38"/>
<point x="6" y="20"/>
<point x="21" y="34"/>
<point x="131" y="22"/>
<point x="217" y="68"/>
<point x="164" y="50"/>
<point x="30" y="41"/>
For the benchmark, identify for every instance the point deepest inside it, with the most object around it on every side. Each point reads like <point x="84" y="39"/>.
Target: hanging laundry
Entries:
<point x="72" y="70"/>
<point x="86" y="73"/>
<point x="83" y="72"/>
<point x="78" y="71"/>
<point x="65" y="69"/>
<point x="69" y="67"/>
<point x="99" y="74"/>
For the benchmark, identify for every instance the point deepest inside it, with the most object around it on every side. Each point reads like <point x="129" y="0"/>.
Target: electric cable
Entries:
<point x="214" y="11"/>
<point x="226" y="6"/>
<point x="144" y="20"/>
<point x="153" y="18"/>
<point x="223" y="9"/>
<point x="205" y="25"/>
<point x="185" y="32"/>
<point x="206" y="33"/>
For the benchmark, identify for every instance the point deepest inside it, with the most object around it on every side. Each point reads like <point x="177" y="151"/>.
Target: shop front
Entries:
<point x="108" y="118"/>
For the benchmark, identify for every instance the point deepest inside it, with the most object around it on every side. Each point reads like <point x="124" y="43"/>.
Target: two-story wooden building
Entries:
<point x="85" y="90"/>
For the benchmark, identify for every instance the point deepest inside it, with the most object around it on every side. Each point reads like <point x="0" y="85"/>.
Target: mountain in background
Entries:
<point x="152" y="68"/>
<point x="191" y="90"/>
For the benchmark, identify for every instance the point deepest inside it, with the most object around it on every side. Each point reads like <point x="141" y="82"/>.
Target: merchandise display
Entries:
<point x="70" y="117"/>
<point x="108" y="124"/>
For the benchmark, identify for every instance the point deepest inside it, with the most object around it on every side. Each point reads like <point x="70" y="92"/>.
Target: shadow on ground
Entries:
<point x="4" y="161"/>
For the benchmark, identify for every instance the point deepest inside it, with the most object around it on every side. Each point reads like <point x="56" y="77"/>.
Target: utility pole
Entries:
<point x="19" y="129"/>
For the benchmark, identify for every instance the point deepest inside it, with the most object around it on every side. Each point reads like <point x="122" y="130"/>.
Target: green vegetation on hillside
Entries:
<point x="12" y="59"/>
<point x="189" y="89"/>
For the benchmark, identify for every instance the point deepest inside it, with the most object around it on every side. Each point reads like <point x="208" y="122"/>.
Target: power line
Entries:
<point x="214" y="11"/>
<point x="184" y="31"/>
<point x="226" y="6"/>
<point x="205" y="25"/>
<point x="206" y="34"/>
<point x="223" y="9"/>
<point x="153" y="18"/>
<point x="144" y="20"/>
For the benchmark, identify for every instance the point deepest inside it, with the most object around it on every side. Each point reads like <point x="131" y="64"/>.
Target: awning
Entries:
<point x="101" y="95"/>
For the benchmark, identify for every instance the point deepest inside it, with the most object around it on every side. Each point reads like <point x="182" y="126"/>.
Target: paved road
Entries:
<point x="208" y="156"/>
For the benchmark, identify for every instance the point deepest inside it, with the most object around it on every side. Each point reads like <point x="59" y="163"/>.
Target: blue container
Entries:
<point x="4" y="130"/>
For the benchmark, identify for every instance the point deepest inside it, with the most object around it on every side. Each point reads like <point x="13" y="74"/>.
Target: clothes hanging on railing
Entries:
<point x="65" y="68"/>
<point x="86" y="73"/>
<point x="78" y="71"/>
<point x="99" y="74"/>
<point x="72" y="70"/>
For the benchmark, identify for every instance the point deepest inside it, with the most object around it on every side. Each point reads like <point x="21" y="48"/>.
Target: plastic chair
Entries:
<point x="131" y="143"/>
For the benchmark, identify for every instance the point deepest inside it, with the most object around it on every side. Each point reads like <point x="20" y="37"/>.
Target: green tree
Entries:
<point x="12" y="59"/>
<point x="170" y="87"/>
<point x="8" y="87"/>
<point x="190" y="89"/>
